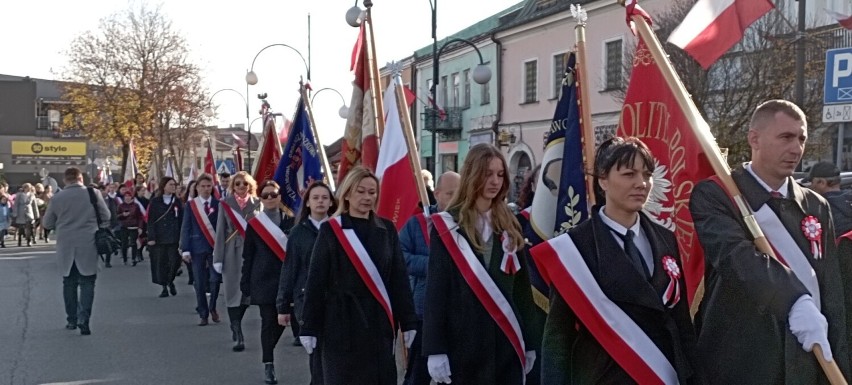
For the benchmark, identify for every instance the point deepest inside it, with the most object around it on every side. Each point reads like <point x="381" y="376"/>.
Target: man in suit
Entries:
<point x="197" y="238"/>
<point x="75" y="222"/>
<point x="224" y="181"/>
<point x="761" y="317"/>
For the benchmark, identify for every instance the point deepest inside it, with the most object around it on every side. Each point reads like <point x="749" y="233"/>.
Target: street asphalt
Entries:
<point x="137" y="338"/>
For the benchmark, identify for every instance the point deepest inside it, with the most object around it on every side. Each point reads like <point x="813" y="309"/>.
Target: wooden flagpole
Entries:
<point x="708" y="143"/>
<point x="586" y="125"/>
<point x="326" y="175"/>
<point x="408" y="131"/>
<point x="375" y="81"/>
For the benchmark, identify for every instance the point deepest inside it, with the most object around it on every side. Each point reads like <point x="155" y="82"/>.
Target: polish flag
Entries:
<point x="130" y="167"/>
<point x="845" y="21"/>
<point x="210" y="168"/>
<point x="398" y="190"/>
<point x="712" y="27"/>
<point x="170" y="170"/>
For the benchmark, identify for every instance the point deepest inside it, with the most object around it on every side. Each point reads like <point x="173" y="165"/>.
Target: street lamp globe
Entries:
<point x="481" y="74"/>
<point x="251" y="78"/>
<point x="354" y="16"/>
<point x="208" y="112"/>
<point x="343" y="112"/>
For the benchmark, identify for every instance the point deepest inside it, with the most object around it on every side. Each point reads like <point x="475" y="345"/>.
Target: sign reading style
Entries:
<point x="49" y="153"/>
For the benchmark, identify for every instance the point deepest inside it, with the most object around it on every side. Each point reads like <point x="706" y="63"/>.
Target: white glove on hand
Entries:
<point x="439" y="368"/>
<point x="809" y="326"/>
<point x="309" y="343"/>
<point x="408" y="337"/>
<point x="218" y="267"/>
<point x="530" y="356"/>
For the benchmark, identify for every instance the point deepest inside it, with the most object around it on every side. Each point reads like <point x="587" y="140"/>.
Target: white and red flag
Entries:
<point x="270" y="153"/>
<point x="360" y="144"/>
<point x="210" y="168"/>
<point x="398" y="190"/>
<point x="130" y="166"/>
<point x="170" y="169"/>
<point x="845" y="21"/>
<point x="712" y="27"/>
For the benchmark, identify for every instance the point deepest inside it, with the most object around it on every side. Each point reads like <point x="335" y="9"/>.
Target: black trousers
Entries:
<point x="417" y="372"/>
<point x="128" y="239"/>
<point x="270" y="331"/>
<point x="78" y="306"/>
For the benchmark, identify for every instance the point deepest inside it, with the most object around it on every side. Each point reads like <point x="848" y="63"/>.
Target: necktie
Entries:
<point x="776" y="194"/>
<point x="633" y="252"/>
<point x="207" y="208"/>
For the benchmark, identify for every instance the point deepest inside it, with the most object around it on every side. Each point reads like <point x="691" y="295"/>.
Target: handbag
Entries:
<point x="105" y="241"/>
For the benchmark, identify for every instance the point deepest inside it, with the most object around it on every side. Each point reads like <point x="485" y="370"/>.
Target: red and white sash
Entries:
<point x="196" y="205"/>
<point x="235" y="217"/>
<point x="270" y="233"/>
<point x="482" y="285"/>
<point x="141" y="208"/>
<point x="617" y="333"/>
<point x="363" y="265"/>
<point x="424" y="226"/>
<point x="526" y="212"/>
<point x="787" y="250"/>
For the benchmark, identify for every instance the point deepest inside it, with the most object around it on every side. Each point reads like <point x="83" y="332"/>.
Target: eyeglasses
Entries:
<point x="269" y="195"/>
<point x="240" y="183"/>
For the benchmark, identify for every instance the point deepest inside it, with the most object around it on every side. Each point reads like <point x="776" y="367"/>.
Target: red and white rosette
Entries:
<point x="813" y="231"/>
<point x="510" y="264"/>
<point x="672" y="293"/>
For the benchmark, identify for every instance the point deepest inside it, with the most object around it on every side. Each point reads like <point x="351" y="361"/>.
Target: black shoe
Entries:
<point x="296" y="342"/>
<point x="84" y="330"/>
<point x="71" y="325"/>
<point x="203" y="322"/>
<point x="172" y="289"/>
<point x="179" y="273"/>
<point x="108" y="265"/>
<point x="164" y="293"/>
<point x="269" y="373"/>
<point x="134" y="262"/>
<point x="191" y="282"/>
<point x="237" y="329"/>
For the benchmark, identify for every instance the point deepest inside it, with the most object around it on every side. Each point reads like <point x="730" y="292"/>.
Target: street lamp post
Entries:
<point x="209" y="113"/>
<point x="481" y="75"/>
<point x="343" y="112"/>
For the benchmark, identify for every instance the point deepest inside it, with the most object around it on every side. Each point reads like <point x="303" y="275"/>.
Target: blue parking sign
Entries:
<point x="838" y="76"/>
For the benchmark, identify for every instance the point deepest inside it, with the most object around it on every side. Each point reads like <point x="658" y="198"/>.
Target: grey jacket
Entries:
<point x="73" y="218"/>
<point x="25" y="209"/>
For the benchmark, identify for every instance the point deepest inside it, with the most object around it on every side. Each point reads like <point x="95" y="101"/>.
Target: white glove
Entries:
<point x="439" y="368"/>
<point x="218" y="267"/>
<point x="809" y="326"/>
<point x="309" y="343"/>
<point x="530" y="356"/>
<point x="408" y="337"/>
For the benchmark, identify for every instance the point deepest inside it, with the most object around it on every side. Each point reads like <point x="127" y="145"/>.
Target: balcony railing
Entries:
<point x="449" y="120"/>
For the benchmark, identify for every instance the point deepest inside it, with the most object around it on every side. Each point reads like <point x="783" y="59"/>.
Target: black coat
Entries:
<point x="164" y="221"/>
<point x="743" y="335"/>
<point x="455" y="323"/>
<point x="354" y="335"/>
<point x="261" y="267"/>
<point x="294" y="271"/>
<point x="571" y="355"/>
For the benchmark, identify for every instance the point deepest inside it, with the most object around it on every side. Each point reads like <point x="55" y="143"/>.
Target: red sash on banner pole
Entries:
<point x="237" y="219"/>
<point x="482" y="285"/>
<point x="617" y="333"/>
<point x="270" y="233"/>
<point x="197" y="208"/>
<point x="424" y="227"/>
<point x="363" y="265"/>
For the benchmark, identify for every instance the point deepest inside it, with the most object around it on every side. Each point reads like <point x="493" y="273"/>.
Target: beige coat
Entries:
<point x="230" y="253"/>
<point x="72" y="216"/>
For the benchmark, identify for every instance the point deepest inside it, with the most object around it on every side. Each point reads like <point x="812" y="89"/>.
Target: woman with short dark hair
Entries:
<point x="165" y="214"/>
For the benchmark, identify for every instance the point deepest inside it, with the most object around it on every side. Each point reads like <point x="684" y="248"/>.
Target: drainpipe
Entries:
<point x="499" y="66"/>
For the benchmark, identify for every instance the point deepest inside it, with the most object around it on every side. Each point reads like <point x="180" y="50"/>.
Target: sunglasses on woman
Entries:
<point x="240" y="183"/>
<point x="269" y="195"/>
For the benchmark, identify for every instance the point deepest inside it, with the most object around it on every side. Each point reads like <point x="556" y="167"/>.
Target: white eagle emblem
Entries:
<point x="658" y="207"/>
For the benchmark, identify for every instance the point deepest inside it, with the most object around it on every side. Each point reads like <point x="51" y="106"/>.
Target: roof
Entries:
<point x="538" y="9"/>
<point x="476" y="31"/>
<point x="45" y="88"/>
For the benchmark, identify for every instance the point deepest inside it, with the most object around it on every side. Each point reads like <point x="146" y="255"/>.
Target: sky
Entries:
<point x="224" y="37"/>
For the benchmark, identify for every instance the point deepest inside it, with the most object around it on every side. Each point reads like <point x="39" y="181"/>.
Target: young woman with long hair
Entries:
<point x="165" y="214"/>
<point x="357" y="294"/>
<point x="635" y="264"/>
<point x="475" y="244"/>
<point x="242" y="205"/>
<point x="317" y="202"/>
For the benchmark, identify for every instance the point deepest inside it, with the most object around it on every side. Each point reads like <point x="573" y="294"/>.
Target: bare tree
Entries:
<point x="760" y="67"/>
<point x="132" y="79"/>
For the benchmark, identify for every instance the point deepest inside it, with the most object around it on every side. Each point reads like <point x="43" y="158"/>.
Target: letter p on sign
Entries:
<point x="842" y="68"/>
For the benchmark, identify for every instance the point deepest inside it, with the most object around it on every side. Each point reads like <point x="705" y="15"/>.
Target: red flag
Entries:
<point x="410" y="97"/>
<point x="712" y="27"/>
<point x="398" y="190"/>
<point x="210" y="168"/>
<point x="238" y="158"/>
<point x="651" y="113"/>
<point x="845" y="21"/>
<point x="270" y="153"/>
<point x="360" y="145"/>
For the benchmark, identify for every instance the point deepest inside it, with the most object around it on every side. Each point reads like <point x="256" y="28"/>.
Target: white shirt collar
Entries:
<point x="783" y="189"/>
<point x="618" y="227"/>
<point x="317" y="223"/>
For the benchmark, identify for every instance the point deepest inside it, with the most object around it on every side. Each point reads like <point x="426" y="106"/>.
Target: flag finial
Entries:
<point x="395" y="68"/>
<point x="579" y="13"/>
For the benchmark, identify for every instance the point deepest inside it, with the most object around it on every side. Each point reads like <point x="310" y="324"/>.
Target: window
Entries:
<point x="443" y="96"/>
<point x="485" y="92"/>
<point x="531" y="81"/>
<point x="560" y="65"/>
<point x="466" y="80"/>
<point x="456" y="96"/>
<point x="614" y="71"/>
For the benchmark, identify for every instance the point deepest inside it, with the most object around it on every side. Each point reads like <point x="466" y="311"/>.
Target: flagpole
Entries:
<point x="375" y="81"/>
<point x="586" y="125"/>
<point x="408" y="131"/>
<point x="705" y="138"/>
<point x="326" y="175"/>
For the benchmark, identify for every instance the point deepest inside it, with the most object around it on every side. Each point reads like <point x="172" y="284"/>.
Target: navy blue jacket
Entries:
<point x="192" y="240"/>
<point x="415" y="249"/>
